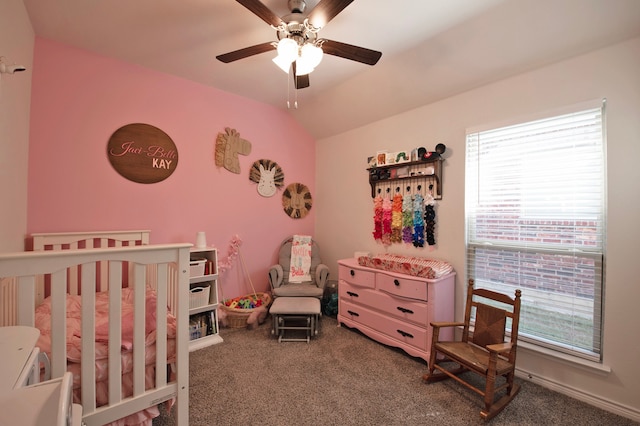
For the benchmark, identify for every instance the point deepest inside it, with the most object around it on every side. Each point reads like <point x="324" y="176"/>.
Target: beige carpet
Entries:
<point x="344" y="378"/>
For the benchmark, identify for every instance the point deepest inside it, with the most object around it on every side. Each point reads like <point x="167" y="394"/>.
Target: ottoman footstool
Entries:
<point x="295" y="313"/>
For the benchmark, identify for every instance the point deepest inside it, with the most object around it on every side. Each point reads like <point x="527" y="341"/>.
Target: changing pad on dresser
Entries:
<point x="415" y="266"/>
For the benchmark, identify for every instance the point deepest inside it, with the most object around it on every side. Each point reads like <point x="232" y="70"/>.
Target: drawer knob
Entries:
<point x="352" y="294"/>
<point x="353" y="314"/>
<point x="352" y="272"/>
<point x="404" y="310"/>
<point x="396" y="282"/>
<point x="405" y="334"/>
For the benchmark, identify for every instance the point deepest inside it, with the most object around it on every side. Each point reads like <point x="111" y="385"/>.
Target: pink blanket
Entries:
<point x="43" y="323"/>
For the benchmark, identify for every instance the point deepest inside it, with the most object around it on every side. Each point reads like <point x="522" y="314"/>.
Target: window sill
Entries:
<point x="565" y="358"/>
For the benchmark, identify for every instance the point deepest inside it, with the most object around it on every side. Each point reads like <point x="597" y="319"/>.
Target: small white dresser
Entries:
<point x="19" y="354"/>
<point x="392" y="308"/>
<point x="23" y="400"/>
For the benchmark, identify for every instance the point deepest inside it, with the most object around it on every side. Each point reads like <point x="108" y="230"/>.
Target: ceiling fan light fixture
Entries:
<point x="298" y="40"/>
<point x="287" y="49"/>
<point x="283" y="63"/>
<point x="287" y="53"/>
<point x="302" y="67"/>
<point x="312" y="53"/>
<point x="310" y="58"/>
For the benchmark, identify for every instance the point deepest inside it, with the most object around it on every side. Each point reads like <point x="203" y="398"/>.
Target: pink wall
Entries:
<point x="79" y="99"/>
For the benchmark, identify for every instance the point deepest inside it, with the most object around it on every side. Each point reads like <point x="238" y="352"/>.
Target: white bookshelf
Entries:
<point x="203" y="313"/>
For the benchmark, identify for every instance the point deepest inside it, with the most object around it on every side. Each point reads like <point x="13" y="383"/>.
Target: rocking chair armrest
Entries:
<point x="500" y="347"/>
<point x="322" y="275"/>
<point x="441" y="324"/>
<point x="276" y="275"/>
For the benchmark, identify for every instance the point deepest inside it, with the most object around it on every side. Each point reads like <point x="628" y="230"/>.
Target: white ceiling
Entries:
<point x="431" y="49"/>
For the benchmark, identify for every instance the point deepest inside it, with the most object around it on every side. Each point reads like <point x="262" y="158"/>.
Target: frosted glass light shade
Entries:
<point x="312" y="53"/>
<point x="310" y="57"/>
<point x="287" y="53"/>
<point x="283" y="63"/>
<point x="288" y="49"/>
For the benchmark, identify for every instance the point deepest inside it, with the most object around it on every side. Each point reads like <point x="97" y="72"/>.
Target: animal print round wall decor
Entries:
<point x="142" y="153"/>
<point x="268" y="175"/>
<point x="296" y="200"/>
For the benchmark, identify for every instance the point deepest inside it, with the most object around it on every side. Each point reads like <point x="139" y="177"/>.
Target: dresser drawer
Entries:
<point x="357" y="276"/>
<point x="404" y="309"/>
<point x="396" y="329"/>
<point x="403" y="287"/>
<point x="357" y="294"/>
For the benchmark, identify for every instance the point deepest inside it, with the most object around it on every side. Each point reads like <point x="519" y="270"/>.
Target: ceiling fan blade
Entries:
<point x="325" y="11"/>
<point x="246" y="52"/>
<point x="261" y="11"/>
<point x="302" y="81"/>
<point x="348" y="51"/>
<point x="299" y="81"/>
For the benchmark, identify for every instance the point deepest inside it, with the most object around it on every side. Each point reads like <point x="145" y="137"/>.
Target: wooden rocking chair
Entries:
<point x="482" y="350"/>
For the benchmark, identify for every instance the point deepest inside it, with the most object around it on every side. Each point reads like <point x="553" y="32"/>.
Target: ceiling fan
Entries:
<point x="299" y="47"/>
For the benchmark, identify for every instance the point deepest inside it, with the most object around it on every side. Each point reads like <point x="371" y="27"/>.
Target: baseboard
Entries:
<point x="596" y="401"/>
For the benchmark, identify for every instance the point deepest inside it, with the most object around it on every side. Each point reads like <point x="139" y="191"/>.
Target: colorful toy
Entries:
<point x="244" y="302"/>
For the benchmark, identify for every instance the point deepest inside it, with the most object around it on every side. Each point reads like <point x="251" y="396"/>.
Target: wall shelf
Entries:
<point x="412" y="175"/>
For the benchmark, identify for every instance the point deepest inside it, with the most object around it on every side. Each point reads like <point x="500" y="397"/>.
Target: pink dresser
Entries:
<point x="392" y="308"/>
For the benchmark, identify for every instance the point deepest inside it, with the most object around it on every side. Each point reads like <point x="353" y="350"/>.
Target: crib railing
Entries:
<point x="165" y="265"/>
<point x="81" y="241"/>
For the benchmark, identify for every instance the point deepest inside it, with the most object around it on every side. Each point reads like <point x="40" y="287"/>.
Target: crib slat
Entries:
<point x="74" y="282"/>
<point x="26" y="291"/>
<point x="88" y="283"/>
<point x="58" y="323"/>
<point x="115" y="336"/>
<point x="103" y="282"/>
<point x="139" y="316"/>
<point x="161" y="324"/>
<point x="173" y="283"/>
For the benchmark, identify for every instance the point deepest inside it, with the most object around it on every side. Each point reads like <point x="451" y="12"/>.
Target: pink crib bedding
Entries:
<point x="414" y="266"/>
<point x="43" y="323"/>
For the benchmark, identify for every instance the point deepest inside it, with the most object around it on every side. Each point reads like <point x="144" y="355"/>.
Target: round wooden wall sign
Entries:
<point x="142" y="153"/>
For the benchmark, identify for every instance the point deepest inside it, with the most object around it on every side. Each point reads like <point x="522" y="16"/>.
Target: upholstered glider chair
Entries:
<point x="482" y="349"/>
<point x="281" y="282"/>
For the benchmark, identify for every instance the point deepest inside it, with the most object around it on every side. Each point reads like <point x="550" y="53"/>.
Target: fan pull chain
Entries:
<point x="295" y="101"/>
<point x="288" y="90"/>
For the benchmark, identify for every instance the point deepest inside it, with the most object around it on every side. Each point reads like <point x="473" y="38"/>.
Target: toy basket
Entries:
<point x="237" y="316"/>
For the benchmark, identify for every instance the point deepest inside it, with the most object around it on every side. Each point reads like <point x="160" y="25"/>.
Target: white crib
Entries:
<point x="70" y="264"/>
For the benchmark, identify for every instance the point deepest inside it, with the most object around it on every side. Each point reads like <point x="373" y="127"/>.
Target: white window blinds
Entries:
<point x="535" y="210"/>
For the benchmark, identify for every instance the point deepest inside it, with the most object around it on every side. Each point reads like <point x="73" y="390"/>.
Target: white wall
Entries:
<point x="345" y="209"/>
<point x="16" y="45"/>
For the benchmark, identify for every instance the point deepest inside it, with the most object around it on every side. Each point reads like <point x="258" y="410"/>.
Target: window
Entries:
<point x="535" y="217"/>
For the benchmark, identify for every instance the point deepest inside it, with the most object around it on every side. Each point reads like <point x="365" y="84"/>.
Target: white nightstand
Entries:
<point x="43" y="404"/>
<point x="24" y="401"/>
<point x="19" y="356"/>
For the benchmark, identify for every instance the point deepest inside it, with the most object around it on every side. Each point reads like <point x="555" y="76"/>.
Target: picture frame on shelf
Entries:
<point x="391" y="158"/>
